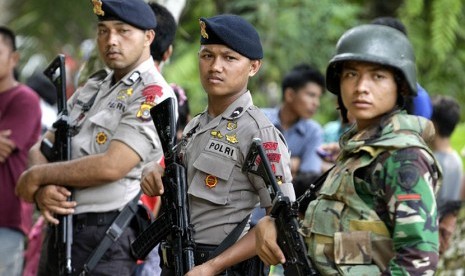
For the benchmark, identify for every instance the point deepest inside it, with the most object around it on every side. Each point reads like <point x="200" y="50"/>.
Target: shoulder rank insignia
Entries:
<point x="231" y="125"/>
<point x="203" y="29"/>
<point x="216" y="134"/>
<point x="101" y="138"/>
<point x="144" y="111"/>
<point x="211" y="181"/>
<point x="98" y="7"/>
<point x="134" y="76"/>
<point x="231" y="138"/>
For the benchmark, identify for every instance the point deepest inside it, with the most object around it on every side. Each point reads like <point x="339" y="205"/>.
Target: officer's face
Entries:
<point x="305" y="100"/>
<point x="122" y="46"/>
<point x="225" y="73"/>
<point x="8" y="59"/>
<point x="368" y="91"/>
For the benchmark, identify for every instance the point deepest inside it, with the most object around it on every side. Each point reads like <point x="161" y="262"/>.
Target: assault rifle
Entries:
<point x="284" y="211"/>
<point x="172" y="227"/>
<point x="60" y="150"/>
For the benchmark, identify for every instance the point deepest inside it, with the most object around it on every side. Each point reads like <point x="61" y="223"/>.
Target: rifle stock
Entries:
<point x="284" y="211"/>
<point x="60" y="150"/>
<point x="173" y="225"/>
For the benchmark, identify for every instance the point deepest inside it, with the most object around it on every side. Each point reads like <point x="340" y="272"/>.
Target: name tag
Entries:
<point x="222" y="149"/>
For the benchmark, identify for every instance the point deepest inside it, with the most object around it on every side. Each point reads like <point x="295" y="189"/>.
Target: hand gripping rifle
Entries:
<point x="60" y="150"/>
<point x="284" y="211"/>
<point x="172" y="227"/>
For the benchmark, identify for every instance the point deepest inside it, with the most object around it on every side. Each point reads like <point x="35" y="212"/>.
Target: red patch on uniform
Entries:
<point x="270" y="145"/>
<point x="274" y="157"/>
<point x="151" y="92"/>
<point x="273" y="168"/>
<point x="408" y="197"/>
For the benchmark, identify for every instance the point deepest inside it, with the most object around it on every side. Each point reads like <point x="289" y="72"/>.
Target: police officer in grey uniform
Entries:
<point x="215" y="144"/>
<point x="113" y="137"/>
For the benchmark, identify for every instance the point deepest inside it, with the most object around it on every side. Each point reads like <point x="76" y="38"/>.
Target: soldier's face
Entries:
<point x="122" y="46"/>
<point x="224" y="72"/>
<point x="368" y="91"/>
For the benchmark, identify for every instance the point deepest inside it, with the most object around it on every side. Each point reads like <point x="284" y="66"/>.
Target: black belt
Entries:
<point x="95" y="219"/>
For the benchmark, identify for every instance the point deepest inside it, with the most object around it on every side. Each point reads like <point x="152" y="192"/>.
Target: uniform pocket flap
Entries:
<point x="211" y="164"/>
<point x="352" y="247"/>
<point x="107" y="119"/>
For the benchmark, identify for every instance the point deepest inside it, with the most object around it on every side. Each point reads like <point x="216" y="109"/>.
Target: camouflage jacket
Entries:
<point x="376" y="212"/>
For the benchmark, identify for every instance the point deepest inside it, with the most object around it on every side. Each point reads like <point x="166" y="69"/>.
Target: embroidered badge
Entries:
<point x="232" y="139"/>
<point x="222" y="149"/>
<point x="211" y="181"/>
<point x="203" y="29"/>
<point x="151" y="92"/>
<point x="101" y="138"/>
<point x="124" y="94"/>
<point x="274" y="157"/>
<point x="279" y="179"/>
<point x="231" y="125"/>
<point x="408" y="197"/>
<point x="144" y="111"/>
<point x="98" y="7"/>
<point x="273" y="168"/>
<point x="216" y="134"/>
<point x="270" y="145"/>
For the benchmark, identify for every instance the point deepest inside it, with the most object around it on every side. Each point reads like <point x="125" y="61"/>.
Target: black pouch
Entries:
<point x="143" y="218"/>
<point x="250" y="267"/>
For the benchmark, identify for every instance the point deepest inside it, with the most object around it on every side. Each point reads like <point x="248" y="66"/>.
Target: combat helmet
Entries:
<point x="373" y="43"/>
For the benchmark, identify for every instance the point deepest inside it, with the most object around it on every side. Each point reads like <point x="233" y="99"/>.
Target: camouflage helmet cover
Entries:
<point x="377" y="44"/>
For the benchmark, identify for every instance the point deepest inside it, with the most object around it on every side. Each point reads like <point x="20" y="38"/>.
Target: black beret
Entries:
<point x="134" y="12"/>
<point x="232" y="31"/>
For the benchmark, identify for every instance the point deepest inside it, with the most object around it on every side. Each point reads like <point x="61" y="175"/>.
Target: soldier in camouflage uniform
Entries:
<point x="376" y="212"/>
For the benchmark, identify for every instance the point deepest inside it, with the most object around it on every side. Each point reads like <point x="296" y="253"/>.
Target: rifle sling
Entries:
<point x="113" y="233"/>
<point x="230" y="239"/>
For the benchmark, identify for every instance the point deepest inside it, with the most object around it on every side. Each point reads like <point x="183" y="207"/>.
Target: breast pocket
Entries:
<point x="213" y="178"/>
<point x="103" y="128"/>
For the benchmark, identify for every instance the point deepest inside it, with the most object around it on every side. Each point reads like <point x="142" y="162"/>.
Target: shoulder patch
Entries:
<point x="408" y="176"/>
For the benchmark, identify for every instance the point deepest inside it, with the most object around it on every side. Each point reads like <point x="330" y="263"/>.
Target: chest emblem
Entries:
<point x="124" y="94"/>
<point x="216" y="134"/>
<point x="101" y="138"/>
<point x="231" y="125"/>
<point x="232" y="138"/>
<point x="144" y="111"/>
<point x="211" y="181"/>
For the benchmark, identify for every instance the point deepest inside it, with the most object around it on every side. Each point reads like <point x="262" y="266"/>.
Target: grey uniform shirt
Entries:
<point x="120" y="111"/>
<point x="213" y="151"/>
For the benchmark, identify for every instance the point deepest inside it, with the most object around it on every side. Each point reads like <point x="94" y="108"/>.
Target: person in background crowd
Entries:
<point x="419" y="105"/>
<point x="20" y="126"/>
<point x="446" y="116"/>
<point x="113" y="137"/>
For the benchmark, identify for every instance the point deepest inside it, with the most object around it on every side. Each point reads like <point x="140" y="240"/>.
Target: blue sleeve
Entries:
<point x="310" y="161"/>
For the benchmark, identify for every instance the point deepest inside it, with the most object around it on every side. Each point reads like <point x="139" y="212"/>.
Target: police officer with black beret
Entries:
<point x="215" y="144"/>
<point x="113" y="137"/>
